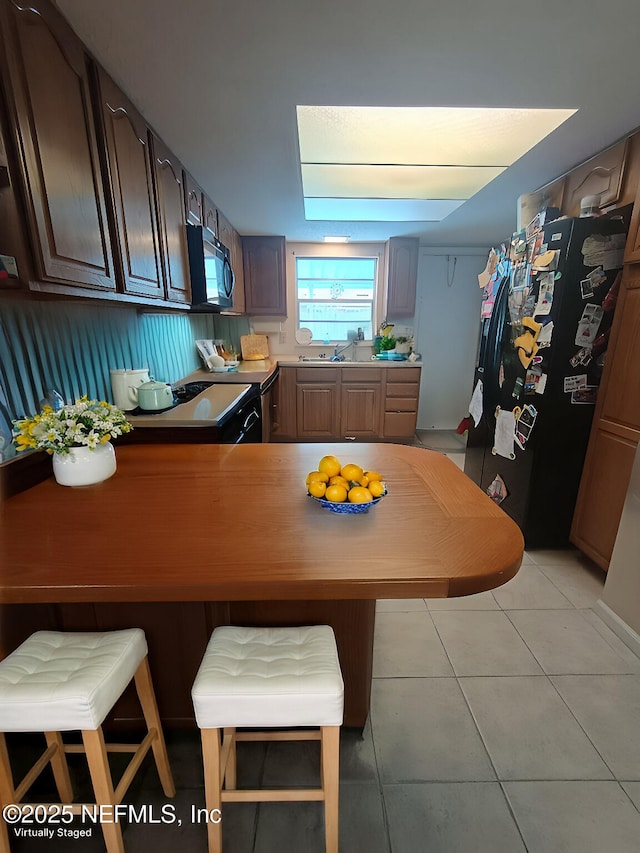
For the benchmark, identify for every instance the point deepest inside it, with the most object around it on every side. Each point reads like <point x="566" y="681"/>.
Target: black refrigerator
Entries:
<point x="541" y="381"/>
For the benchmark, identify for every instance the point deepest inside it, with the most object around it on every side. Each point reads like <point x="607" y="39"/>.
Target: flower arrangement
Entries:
<point x="87" y="423"/>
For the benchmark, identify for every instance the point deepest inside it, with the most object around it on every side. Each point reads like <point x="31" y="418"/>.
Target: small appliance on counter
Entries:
<point x="124" y="385"/>
<point x="154" y="396"/>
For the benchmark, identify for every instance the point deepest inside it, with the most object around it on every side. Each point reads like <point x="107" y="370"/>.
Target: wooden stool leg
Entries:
<point x="102" y="785"/>
<point x="230" y="776"/>
<point x="211" y="762"/>
<point x="330" y="784"/>
<point x="7" y="792"/>
<point x="60" y="767"/>
<point x="147" y="697"/>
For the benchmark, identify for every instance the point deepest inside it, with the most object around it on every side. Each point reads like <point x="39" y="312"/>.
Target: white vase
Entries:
<point x="82" y="466"/>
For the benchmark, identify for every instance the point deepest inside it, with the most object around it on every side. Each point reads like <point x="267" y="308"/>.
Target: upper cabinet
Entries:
<point x="193" y="201"/>
<point x="129" y="171"/>
<point x="401" y="268"/>
<point x="171" y="216"/>
<point x="210" y="216"/>
<point x="232" y="240"/>
<point x="49" y="104"/>
<point x="264" y="276"/>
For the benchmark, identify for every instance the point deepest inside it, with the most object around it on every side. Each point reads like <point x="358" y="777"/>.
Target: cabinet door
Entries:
<point x="193" y="201"/>
<point x="49" y="102"/>
<point x="621" y="402"/>
<point x="264" y="276"/>
<point x="232" y="240"/>
<point x="603" y="489"/>
<point x="128" y="164"/>
<point x="360" y="410"/>
<point x="402" y="273"/>
<point x="173" y="235"/>
<point x="317" y="410"/>
<point x="210" y="215"/>
<point x="284" y="426"/>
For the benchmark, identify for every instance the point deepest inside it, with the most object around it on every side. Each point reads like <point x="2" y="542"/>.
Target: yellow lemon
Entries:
<point x="352" y="472"/>
<point x="373" y="475"/>
<point x="336" y="494"/>
<point x="330" y="465"/>
<point x="364" y="480"/>
<point x="316" y="476"/>
<point x="339" y="481"/>
<point x="317" y="488"/>
<point x="376" y="488"/>
<point x="360" y="495"/>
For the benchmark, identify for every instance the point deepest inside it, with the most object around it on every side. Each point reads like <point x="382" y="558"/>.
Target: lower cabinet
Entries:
<point x="345" y="403"/>
<point x="401" y="402"/>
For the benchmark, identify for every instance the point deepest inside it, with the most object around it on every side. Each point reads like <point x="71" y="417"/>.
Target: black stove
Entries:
<point x="186" y="392"/>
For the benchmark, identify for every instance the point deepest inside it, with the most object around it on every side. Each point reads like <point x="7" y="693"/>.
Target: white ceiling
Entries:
<point x="220" y="81"/>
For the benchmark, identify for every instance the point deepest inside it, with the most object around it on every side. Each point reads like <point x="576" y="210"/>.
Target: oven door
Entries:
<point x="243" y="425"/>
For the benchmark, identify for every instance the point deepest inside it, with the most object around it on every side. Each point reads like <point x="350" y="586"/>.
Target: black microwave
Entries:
<point x="212" y="278"/>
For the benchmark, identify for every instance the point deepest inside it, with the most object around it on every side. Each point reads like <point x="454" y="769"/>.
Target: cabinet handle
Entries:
<point x="349" y="438"/>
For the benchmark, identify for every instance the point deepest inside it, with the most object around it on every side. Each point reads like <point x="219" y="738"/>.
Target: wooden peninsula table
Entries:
<point x="186" y="537"/>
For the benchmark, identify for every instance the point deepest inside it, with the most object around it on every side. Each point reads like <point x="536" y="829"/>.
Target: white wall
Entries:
<point x="447" y="328"/>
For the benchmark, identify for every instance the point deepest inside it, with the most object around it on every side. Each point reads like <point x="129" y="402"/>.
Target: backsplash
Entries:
<point x="72" y="347"/>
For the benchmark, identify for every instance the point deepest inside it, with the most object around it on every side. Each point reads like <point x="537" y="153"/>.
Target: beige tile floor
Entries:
<point x="501" y="722"/>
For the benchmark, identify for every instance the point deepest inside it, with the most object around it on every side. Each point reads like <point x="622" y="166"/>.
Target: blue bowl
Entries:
<point x="347" y="508"/>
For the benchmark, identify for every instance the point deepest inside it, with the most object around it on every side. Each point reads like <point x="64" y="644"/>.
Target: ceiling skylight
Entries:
<point x="409" y="163"/>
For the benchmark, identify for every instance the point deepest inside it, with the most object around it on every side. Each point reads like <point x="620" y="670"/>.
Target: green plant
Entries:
<point x="388" y="342"/>
<point x="87" y="423"/>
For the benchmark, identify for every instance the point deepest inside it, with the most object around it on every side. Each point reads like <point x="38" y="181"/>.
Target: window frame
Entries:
<point x="325" y="251"/>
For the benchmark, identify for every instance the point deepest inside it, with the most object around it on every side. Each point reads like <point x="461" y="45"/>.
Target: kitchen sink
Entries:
<point x="309" y="360"/>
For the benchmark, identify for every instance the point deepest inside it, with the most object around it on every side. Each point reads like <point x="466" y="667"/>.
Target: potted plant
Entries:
<point x="78" y="437"/>
<point x="403" y="344"/>
<point x="388" y="343"/>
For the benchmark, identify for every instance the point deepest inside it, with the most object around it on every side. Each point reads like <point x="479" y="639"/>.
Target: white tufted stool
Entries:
<point x="269" y="678"/>
<point x="56" y="682"/>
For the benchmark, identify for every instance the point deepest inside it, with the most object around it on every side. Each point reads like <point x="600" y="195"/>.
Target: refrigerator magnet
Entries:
<point x="585" y="396"/>
<point x="504" y="435"/>
<point x="572" y="383"/>
<point x="497" y="491"/>
<point x="586" y="288"/>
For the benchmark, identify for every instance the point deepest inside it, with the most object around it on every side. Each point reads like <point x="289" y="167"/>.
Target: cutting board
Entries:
<point x="254" y="347"/>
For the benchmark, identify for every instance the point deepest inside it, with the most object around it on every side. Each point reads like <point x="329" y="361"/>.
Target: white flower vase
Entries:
<point x="83" y="467"/>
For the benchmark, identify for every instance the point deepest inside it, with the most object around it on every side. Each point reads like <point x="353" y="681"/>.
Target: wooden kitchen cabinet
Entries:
<point x="128" y="166"/>
<point x="232" y="240"/>
<point x="210" y="215"/>
<point x="194" y="205"/>
<point x="360" y="402"/>
<point x="317" y="397"/>
<point x="264" y="276"/>
<point x="401" y="267"/>
<point x="616" y="430"/>
<point x="48" y="99"/>
<point x="347" y="403"/>
<point x="401" y="402"/>
<point x="171" y="216"/>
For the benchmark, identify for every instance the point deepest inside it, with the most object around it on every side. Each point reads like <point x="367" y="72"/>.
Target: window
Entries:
<point x="336" y="296"/>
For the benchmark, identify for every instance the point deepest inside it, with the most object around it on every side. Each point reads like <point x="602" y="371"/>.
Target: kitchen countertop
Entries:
<point x="212" y="404"/>
<point x="245" y="530"/>
<point x="204" y="410"/>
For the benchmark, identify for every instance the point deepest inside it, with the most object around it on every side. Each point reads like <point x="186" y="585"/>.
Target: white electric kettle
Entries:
<point x="124" y="385"/>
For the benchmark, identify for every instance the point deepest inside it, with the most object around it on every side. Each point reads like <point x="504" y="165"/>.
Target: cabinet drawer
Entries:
<point x="402" y="389"/>
<point x="403" y="374"/>
<point x="317" y="374"/>
<point x="401" y="404"/>
<point x="400" y="424"/>
<point x="361" y="374"/>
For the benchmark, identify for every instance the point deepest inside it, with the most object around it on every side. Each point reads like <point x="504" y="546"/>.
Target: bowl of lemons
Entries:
<point x="346" y="489"/>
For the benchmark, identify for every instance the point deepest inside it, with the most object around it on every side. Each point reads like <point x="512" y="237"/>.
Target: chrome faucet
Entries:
<point x="338" y="350"/>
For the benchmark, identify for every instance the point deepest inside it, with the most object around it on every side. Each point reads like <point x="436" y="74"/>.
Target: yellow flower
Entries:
<point x="105" y="438"/>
